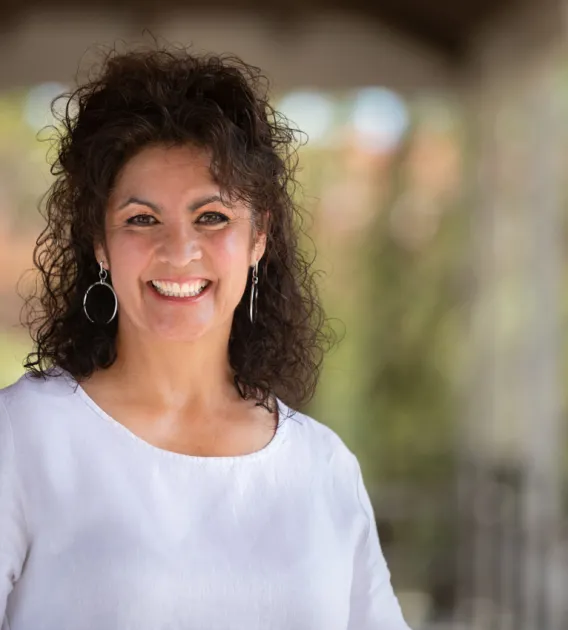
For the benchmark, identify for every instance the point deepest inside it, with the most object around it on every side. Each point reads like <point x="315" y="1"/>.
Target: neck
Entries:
<point x="176" y="375"/>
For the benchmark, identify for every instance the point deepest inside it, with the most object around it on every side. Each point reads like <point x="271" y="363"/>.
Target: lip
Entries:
<point x="186" y="279"/>
<point x="179" y="300"/>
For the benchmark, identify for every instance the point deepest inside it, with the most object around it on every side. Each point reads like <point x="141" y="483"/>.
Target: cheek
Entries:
<point x="231" y="251"/>
<point x="128" y="255"/>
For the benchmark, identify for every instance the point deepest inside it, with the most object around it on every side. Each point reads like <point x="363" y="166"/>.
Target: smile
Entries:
<point x="185" y="290"/>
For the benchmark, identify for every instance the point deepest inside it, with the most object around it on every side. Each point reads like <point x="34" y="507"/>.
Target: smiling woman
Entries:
<point x="175" y="243"/>
<point x="230" y="168"/>
<point x="148" y="465"/>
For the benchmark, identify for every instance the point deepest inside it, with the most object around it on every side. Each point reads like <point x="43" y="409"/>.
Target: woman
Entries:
<point x="152" y="472"/>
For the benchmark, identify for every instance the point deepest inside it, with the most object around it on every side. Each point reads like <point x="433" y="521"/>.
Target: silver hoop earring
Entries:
<point x="253" y="293"/>
<point x="102" y="282"/>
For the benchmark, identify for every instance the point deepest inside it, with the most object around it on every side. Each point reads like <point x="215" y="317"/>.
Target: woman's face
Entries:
<point x="178" y="257"/>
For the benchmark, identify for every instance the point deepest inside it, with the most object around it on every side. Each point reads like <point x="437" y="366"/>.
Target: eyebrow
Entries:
<point x="199" y="203"/>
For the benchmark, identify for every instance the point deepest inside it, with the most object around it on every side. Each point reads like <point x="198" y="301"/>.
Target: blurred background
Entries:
<point x="435" y="195"/>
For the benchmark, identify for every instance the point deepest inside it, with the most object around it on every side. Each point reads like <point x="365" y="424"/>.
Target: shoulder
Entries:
<point x="54" y="383"/>
<point x="32" y="397"/>
<point x="320" y="444"/>
<point x="327" y="467"/>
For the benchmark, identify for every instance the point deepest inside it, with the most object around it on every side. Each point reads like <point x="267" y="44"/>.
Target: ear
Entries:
<point x="260" y="239"/>
<point x="259" y="248"/>
<point x="101" y="255"/>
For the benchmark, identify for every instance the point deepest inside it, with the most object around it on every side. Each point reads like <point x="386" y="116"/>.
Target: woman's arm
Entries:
<point x="374" y="605"/>
<point x="13" y="546"/>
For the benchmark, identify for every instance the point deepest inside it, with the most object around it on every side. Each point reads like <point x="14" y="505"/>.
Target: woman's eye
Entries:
<point x="212" y="218"/>
<point x="142" y="219"/>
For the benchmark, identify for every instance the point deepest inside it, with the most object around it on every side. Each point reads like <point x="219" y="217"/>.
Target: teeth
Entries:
<point x="173" y="289"/>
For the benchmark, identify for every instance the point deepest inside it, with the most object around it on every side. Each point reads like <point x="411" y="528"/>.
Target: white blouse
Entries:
<point x="100" y="530"/>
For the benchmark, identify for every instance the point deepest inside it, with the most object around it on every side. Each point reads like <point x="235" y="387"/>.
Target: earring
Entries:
<point x="102" y="282"/>
<point x="253" y="293"/>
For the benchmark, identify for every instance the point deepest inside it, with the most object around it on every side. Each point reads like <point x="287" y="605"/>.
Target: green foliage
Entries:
<point x="400" y="287"/>
<point x="12" y="351"/>
<point x="24" y="172"/>
<point x="412" y="321"/>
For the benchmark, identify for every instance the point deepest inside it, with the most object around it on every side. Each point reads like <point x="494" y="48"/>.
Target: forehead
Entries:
<point x="174" y="168"/>
<point x="171" y="177"/>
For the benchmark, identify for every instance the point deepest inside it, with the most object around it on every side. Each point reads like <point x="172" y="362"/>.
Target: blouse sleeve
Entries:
<point x="13" y="537"/>
<point x="374" y="605"/>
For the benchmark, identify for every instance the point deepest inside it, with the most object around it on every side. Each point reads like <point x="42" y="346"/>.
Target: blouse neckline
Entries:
<point x="265" y="451"/>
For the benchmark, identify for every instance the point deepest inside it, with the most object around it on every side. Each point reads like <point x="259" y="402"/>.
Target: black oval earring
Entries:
<point x="102" y="282"/>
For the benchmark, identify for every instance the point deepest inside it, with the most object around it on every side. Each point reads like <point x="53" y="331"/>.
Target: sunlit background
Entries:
<point x="433" y="181"/>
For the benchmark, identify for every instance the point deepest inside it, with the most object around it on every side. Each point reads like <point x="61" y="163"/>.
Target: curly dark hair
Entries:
<point x="174" y="97"/>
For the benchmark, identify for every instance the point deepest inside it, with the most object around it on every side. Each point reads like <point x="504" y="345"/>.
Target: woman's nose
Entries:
<point x="179" y="245"/>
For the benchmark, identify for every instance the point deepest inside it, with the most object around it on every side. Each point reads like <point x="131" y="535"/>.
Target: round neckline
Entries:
<point x="271" y="446"/>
